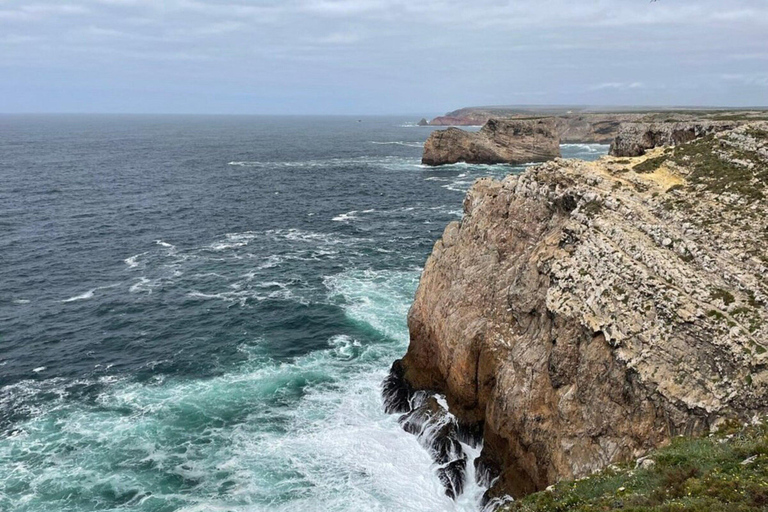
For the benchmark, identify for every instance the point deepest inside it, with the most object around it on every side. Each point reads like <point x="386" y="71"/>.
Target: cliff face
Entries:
<point x="499" y="141"/>
<point x="592" y="128"/>
<point x="583" y="313"/>
<point x="634" y="139"/>
<point x="584" y="128"/>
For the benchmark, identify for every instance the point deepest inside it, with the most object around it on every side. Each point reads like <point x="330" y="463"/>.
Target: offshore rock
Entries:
<point x="585" y="313"/>
<point x="499" y="141"/>
<point x="634" y="139"/>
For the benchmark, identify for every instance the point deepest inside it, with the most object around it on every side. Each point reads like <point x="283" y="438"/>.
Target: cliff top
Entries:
<point x="725" y="471"/>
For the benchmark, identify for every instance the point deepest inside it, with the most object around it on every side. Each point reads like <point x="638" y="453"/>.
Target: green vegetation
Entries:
<point x="726" y="472"/>
<point x="675" y="187"/>
<point x="719" y="175"/>
<point x="650" y="165"/>
<point x="592" y="208"/>
<point x="724" y="295"/>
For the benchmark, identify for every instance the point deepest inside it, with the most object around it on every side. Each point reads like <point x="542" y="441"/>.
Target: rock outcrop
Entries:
<point x="570" y="128"/>
<point x="499" y="141"/>
<point x="592" y="128"/>
<point x="581" y="314"/>
<point x="634" y="139"/>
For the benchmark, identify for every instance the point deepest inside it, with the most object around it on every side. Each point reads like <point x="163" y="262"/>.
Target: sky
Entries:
<point x="377" y="56"/>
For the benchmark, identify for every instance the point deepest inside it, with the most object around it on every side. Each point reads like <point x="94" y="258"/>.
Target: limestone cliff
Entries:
<point x="499" y="141"/>
<point x="634" y="139"/>
<point x="583" y="313"/>
<point x="582" y="125"/>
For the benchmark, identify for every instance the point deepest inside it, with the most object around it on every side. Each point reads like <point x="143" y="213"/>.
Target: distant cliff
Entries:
<point x="634" y="139"/>
<point x="582" y="314"/>
<point x="499" y="141"/>
<point x="589" y="126"/>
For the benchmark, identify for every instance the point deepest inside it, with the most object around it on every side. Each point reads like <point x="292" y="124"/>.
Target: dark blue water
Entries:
<point x="196" y="312"/>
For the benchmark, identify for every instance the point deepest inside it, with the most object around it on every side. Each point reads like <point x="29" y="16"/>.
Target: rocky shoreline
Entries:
<point x="582" y="314"/>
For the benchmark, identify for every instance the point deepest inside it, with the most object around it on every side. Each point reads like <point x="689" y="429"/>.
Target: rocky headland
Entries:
<point x="582" y="125"/>
<point x="584" y="313"/>
<point x="499" y="141"/>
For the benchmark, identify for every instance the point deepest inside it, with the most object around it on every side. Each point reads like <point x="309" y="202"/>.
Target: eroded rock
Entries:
<point x="499" y="141"/>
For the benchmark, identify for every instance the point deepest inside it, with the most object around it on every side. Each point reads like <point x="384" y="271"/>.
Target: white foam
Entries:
<point x="592" y="148"/>
<point x="142" y="285"/>
<point x="132" y="261"/>
<point x="333" y="449"/>
<point x="21" y="301"/>
<point x="165" y="244"/>
<point x="343" y="217"/>
<point x="39" y="369"/>
<point x="83" y="296"/>
<point x="409" y="144"/>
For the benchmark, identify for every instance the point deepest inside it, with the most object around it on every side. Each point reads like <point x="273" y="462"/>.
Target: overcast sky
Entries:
<point x="377" y="56"/>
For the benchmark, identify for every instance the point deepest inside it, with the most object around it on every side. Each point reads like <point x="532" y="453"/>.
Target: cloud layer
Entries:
<point x="377" y="56"/>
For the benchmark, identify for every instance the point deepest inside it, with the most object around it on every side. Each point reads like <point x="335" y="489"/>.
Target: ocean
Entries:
<point x="197" y="313"/>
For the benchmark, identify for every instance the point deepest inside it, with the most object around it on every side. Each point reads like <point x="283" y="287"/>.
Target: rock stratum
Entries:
<point x="584" y="313"/>
<point x="499" y="141"/>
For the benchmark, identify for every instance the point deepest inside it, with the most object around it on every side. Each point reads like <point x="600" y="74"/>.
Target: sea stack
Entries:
<point x="510" y="141"/>
<point x="583" y="313"/>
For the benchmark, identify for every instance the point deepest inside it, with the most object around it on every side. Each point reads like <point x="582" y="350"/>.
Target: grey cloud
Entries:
<point x="356" y="56"/>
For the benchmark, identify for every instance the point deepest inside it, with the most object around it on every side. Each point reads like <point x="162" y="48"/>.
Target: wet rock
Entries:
<point x="396" y="391"/>
<point x="438" y="431"/>
<point x="452" y="476"/>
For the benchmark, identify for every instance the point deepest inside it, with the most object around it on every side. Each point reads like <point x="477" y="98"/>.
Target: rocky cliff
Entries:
<point x="583" y="313"/>
<point x="570" y="128"/>
<point x="581" y="125"/>
<point x="634" y="139"/>
<point x="499" y="141"/>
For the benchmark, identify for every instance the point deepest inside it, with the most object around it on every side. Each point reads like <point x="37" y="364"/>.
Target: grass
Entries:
<point x="725" y="472"/>
<point x="724" y="295"/>
<point x="592" y="208"/>
<point x="650" y="165"/>
<point x="719" y="175"/>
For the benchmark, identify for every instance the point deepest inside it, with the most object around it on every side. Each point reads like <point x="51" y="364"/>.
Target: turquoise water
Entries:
<point x="197" y="312"/>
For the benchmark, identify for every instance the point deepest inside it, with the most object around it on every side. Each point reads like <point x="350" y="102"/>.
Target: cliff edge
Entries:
<point x="581" y="314"/>
<point x="499" y="141"/>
